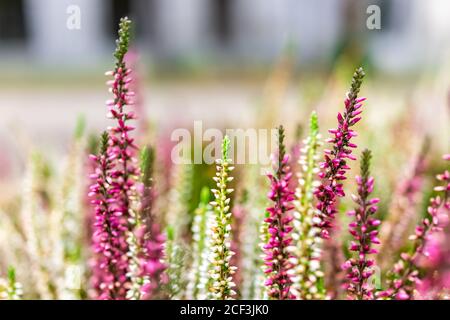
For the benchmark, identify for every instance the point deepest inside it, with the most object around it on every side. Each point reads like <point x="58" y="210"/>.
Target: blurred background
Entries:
<point x="219" y="61"/>
<point x="230" y="33"/>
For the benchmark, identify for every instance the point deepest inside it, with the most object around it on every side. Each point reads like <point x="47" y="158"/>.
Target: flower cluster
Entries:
<point x="148" y="235"/>
<point x="252" y="286"/>
<point x="364" y="231"/>
<point x="435" y="284"/>
<point x="307" y="276"/>
<point x="114" y="185"/>
<point x="10" y="289"/>
<point x="198" y="276"/>
<point x="121" y="148"/>
<point x="221" y="272"/>
<point x="278" y="249"/>
<point x="110" y="264"/>
<point x="178" y="215"/>
<point x="405" y="200"/>
<point x="335" y="165"/>
<point x="436" y="261"/>
<point x="174" y="259"/>
<point x="277" y="257"/>
<point x="405" y="274"/>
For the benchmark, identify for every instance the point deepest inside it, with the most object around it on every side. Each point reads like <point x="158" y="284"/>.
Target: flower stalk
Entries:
<point x="10" y="289"/>
<point x="363" y="229"/>
<point x="405" y="274"/>
<point x="146" y="241"/>
<point x="403" y="208"/>
<point x="174" y="259"/>
<point x="335" y="165"/>
<point x="221" y="272"/>
<point x="198" y="274"/>
<point x="148" y="233"/>
<point x="276" y="254"/>
<point x="110" y="247"/>
<point x="308" y="275"/>
<point x="121" y="148"/>
<point x="114" y="189"/>
<point x="252" y="286"/>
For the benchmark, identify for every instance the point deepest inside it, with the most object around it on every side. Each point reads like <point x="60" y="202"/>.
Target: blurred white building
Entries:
<point x="234" y="30"/>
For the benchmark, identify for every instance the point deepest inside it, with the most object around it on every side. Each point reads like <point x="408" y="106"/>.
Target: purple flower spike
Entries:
<point x="115" y="184"/>
<point x="110" y="247"/>
<point x="278" y="267"/>
<point x="364" y="231"/>
<point x="149" y="236"/>
<point x="405" y="274"/>
<point x="335" y="165"/>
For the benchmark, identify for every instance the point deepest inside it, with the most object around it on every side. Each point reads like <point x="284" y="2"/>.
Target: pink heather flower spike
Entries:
<point x="122" y="148"/>
<point x="132" y="60"/>
<point x="115" y="176"/>
<point x="335" y="165"/>
<point x="110" y="263"/>
<point x="435" y="285"/>
<point x="363" y="229"/>
<point x="436" y="259"/>
<point x="403" y="209"/>
<point x="405" y="275"/>
<point x="277" y="257"/>
<point x="150" y="238"/>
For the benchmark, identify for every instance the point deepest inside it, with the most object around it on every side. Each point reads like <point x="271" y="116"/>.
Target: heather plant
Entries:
<point x="405" y="277"/>
<point x="403" y="208"/>
<point x="44" y="233"/>
<point x="363" y="229"/>
<point x="178" y="215"/>
<point x="253" y="277"/>
<point x="114" y="188"/>
<point x="10" y="289"/>
<point x="435" y="284"/>
<point x="277" y="259"/>
<point x="335" y="165"/>
<point x="201" y="233"/>
<point x="308" y="274"/>
<point x="68" y="244"/>
<point x="34" y="225"/>
<point x="150" y="239"/>
<point x="221" y="272"/>
<point x="14" y="253"/>
<point x="145" y="240"/>
<point x="175" y="261"/>
<point x="111" y="262"/>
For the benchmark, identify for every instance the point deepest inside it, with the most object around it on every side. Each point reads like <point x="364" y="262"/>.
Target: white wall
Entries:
<point x="50" y="39"/>
<point x="182" y="26"/>
<point x="263" y="28"/>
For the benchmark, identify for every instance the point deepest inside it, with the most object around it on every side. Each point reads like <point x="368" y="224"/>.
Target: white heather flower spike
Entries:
<point x="10" y="289"/>
<point x="198" y="274"/>
<point x="308" y="275"/>
<point x="178" y="214"/>
<point x="252" y="265"/>
<point x="33" y="219"/>
<point x="65" y="235"/>
<point x="220" y="273"/>
<point x="174" y="259"/>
